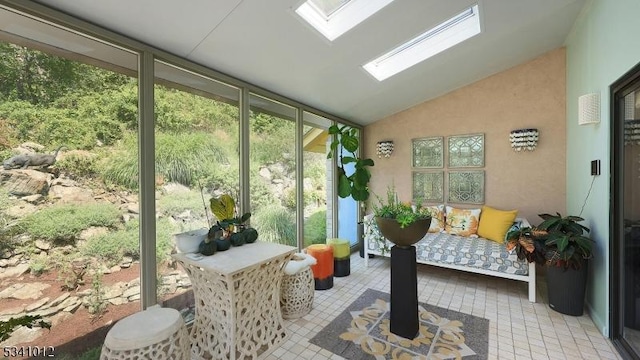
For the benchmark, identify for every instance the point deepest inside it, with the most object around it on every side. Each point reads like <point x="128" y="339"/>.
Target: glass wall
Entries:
<point x="348" y="211"/>
<point x="78" y="237"/>
<point x="317" y="179"/>
<point x="68" y="187"/>
<point x="196" y="155"/>
<point x="272" y="169"/>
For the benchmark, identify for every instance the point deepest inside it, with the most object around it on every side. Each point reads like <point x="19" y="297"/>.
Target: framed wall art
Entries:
<point x="428" y="186"/>
<point x="466" y="151"/>
<point x="428" y="152"/>
<point x="466" y="187"/>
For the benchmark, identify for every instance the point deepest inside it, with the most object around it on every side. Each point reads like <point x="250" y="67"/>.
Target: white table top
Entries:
<point x="238" y="258"/>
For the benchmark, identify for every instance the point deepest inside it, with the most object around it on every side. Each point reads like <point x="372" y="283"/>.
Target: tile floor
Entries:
<point x="543" y="334"/>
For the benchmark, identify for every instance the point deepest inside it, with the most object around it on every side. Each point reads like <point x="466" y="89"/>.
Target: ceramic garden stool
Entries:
<point x="156" y="333"/>
<point x="296" y="291"/>
<point x="323" y="269"/>
<point x="341" y="257"/>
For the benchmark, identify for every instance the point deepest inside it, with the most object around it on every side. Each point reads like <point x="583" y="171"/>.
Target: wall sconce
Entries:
<point x="384" y="148"/>
<point x="589" y="109"/>
<point x="524" y="139"/>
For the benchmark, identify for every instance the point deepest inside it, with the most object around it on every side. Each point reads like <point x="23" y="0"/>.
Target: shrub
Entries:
<point x="315" y="228"/>
<point x="65" y="222"/>
<point x="112" y="247"/>
<point x="176" y="203"/>
<point x="275" y="224"/>
<point x="180" y="157"/>
<point x="78" y="165"/>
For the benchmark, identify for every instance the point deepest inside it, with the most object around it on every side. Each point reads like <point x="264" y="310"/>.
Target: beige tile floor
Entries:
<point x="518" y="329"/>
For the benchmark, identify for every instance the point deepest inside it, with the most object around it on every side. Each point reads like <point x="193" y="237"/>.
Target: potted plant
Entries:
<point x="355" y="185"/>
<point x="229" y="229"/>
<point x="404" y="225"/>
<point x="401" y="223"/>
<point x="560" y="243"/>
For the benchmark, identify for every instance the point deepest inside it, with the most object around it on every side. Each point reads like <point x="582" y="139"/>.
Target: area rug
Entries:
<point x="362" y="332"/>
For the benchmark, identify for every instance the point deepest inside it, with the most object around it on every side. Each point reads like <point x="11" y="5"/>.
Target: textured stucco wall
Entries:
<point x="530" y="95"/>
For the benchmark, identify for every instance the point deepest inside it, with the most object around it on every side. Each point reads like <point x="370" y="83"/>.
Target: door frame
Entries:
<point x="616" y="206"/>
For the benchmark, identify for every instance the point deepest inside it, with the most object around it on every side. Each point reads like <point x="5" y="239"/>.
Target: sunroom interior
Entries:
<point x="237" y="97"/>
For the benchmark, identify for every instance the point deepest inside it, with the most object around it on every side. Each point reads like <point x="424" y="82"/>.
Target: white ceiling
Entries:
<point x="267" y="44"/>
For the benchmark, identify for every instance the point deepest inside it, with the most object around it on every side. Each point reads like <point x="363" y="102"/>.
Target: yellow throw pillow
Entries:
<point x="437" y="218"/>
<point x="463" y="222"/>
<point x="495" y="223"/>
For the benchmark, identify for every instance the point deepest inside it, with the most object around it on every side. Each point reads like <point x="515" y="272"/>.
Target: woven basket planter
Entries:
<point x="296" y="294"/>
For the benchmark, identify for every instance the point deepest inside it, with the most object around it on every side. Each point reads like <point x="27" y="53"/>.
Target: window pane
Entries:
<point x="197" y="135"/>
<point x="317" y="216"/>
<point x="272" y="170"/>
<point x="71" y="238"/>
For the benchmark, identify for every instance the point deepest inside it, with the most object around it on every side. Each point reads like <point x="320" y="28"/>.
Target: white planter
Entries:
<point x="188" y="242"/>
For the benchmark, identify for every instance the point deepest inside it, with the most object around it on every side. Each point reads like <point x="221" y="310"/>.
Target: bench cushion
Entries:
<point x="444" y="248"/>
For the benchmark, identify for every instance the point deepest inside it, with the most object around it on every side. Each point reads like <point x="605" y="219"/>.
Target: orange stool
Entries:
<point x="323" y="269"/>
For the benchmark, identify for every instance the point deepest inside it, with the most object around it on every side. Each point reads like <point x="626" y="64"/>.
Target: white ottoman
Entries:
<point x="156" y="333"/>
<point x="297" y="287"/>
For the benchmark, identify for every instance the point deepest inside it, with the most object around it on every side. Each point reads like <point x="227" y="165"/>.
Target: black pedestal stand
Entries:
<point x="404" y="292"/>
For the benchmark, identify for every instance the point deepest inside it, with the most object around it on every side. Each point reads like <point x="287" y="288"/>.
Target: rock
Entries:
<point x="70" y="301"/>
<point x="13" y="311"/>
<point x="20" y="210"/>
<point x="92" y="231"/>
<point x="59" y="299"/>
<point x="46" y="312"/>
<point x="24" y="291"/>
<point x="24" y="182"/>
<point x="265" y="173"/>
<point x="114" y="291"/>
<point x="14" y="271"/>
<point x="64" y="182"/>
<point x="175" y="188"/>
<point x="117" y="301"/>
<point x="14" y="261"/>
<point x="33" y="199"/>
<point x="30" y="146"/>
<point x="58" y="318"/>
<point x="5" y="254"/>
<point x="36" y="305"/>
<point x="115" y="268"/>
<point x="133" y="208"/>
<point x="134" y="297"/>
<point x="126" y="262"/>
<point x="43" y="245"/>
<point x="73" y="307"/>
<point x="130" y="293"/>
<point x="71" y="194"/>
<point x="23" y="335"/>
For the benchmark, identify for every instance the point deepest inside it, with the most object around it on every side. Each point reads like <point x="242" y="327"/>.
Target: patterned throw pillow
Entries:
<point x="463" y="222"/>
<point x="437" y="218"/>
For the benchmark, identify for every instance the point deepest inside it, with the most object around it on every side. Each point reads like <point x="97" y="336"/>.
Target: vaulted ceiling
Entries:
<point x="266" y="43"/>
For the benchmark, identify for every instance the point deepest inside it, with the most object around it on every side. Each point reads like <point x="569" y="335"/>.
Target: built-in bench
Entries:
<point x="471" y="254"/>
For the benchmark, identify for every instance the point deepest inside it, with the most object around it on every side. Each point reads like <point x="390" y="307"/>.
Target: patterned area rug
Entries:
<point x="362" y="332"/>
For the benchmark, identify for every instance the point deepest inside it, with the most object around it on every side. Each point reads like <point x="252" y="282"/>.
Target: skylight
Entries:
<point x="436" y="40"/>
<point x="333" y="18"/>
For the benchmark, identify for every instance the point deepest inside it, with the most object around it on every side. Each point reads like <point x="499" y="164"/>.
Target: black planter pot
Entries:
<point x="566" y="289"/>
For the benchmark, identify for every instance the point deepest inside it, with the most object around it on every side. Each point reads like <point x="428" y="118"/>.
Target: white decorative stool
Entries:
<point x="156" y="333"/>
<point x="297" y="289"/>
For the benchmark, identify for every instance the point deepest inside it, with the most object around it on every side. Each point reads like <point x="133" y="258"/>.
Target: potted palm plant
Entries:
<point x="561" y="243"/>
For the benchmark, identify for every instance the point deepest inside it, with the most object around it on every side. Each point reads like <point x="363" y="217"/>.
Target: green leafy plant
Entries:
<point x="565" y="242"/>
<point x="404" y="213"/>
<point x="30" y="321"/>
<point x="315" y="228"/>
<point x="356" y="184"/>
<point x="558" y="241"/>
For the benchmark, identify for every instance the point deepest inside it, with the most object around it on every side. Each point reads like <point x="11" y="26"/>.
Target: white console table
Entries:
<point x="237" y="296"/>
